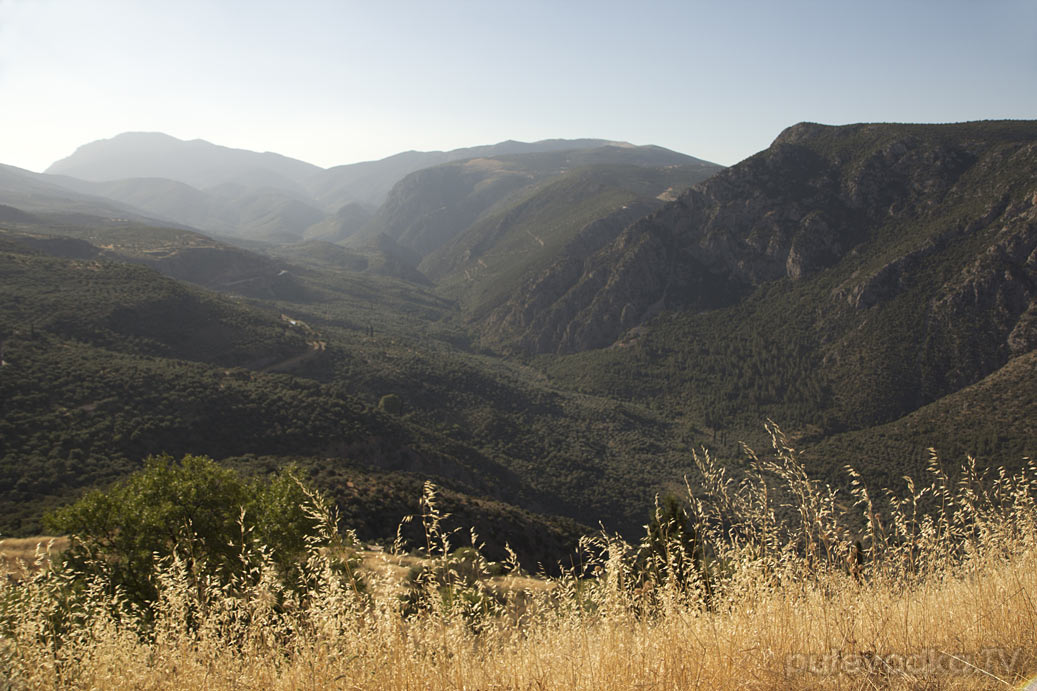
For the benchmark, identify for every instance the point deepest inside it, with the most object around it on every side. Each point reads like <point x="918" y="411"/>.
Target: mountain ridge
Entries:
<point x="264" y="196"/>
<point x="813" y="220"/>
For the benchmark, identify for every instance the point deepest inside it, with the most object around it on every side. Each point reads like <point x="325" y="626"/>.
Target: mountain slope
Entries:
<point x="562" y="218"/>
<point x="347" y="221"/>
<point x="32" y="192"/>
<point x="369" y="182"/>
<point x="181" y="254"/>
<point x="873" y="195"/>
<point x="993" y="420"/>
<point x="837" y="281"/>
<point x="229" y="209"/>
<point x="105" y="362"/>
<point x="428" y="209"/>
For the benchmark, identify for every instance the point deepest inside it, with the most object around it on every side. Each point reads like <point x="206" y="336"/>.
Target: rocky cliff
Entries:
<point x="878" y="202"/>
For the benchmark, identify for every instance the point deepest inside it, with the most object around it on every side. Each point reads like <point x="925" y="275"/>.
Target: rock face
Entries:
<point x="995" y="294"/>
<point x="882" y="206"/>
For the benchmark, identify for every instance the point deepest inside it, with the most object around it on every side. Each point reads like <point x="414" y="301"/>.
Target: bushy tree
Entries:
<point x="209" y="515"/>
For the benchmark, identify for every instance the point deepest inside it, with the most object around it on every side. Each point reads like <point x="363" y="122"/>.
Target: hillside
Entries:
<point x="107" y="361"/>
<point x="577" y="325"/>
<point x="428" y="209"/>
<point x="182" y="254"/>
<point x="841" y="279"/>
<point x="348" y="220"/>
<point x="993" y="419"/>
<point x="562" y="218"/>
<point x="31" y="192"/>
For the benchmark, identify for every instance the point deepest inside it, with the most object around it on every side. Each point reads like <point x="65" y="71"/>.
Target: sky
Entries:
<point x="334" y="82"/>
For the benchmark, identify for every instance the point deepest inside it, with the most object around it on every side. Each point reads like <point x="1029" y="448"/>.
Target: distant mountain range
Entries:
<point x="266" y="196"/>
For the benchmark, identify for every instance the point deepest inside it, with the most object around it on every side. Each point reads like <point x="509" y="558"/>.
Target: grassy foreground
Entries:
<point x="794" y="585"/>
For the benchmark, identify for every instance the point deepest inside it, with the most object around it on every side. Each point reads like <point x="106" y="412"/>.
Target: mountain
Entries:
<point x="370" y="182"/>
<point x="262" y="196"/>
<point x="203" y="165"/>
<point x="582" y="319"/>
<point x="569" y="215"/>
<point x="874" y="200"/>
<point x="196" y="163"/>
<point x="836" y="282"/>
<point x="429" y="208"/>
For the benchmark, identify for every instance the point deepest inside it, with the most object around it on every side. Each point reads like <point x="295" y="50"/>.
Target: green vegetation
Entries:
<point x="932" y="294"/>
<point x="871" y="288"/>
<point x="570" y="214"/>
<point x="194" y="510"/>
<point x="348" y="362"/>
<point x="807" y="574"/>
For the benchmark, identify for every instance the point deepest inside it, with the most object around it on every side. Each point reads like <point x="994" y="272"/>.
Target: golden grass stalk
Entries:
<point x="796" y="587"/>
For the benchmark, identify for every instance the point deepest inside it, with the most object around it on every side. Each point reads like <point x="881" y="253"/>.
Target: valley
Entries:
<point x="546" y="330"/>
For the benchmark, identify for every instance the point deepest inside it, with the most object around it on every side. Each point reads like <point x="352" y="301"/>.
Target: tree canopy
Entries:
<point x="209" y="515"/>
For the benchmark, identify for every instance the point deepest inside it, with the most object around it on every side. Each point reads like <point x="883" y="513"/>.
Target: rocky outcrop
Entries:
<point x="879" y="201"/>
<point x="995" y="295"/>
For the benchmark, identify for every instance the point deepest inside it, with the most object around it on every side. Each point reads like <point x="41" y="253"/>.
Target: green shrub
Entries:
<point x="208" y="515"/>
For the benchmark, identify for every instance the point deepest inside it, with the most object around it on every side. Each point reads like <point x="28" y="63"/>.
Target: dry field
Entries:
<point x="18" y="556"/>
<point x="939" y="592"/>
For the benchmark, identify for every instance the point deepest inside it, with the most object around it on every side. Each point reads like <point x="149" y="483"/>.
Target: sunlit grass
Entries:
<point x="796" y="586"/>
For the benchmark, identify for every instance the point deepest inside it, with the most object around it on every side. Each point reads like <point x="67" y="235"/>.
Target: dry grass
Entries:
<point x="940" y="593"/>
<point x="18" y="555"/>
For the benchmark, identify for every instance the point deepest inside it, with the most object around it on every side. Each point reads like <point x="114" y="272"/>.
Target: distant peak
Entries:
<point x="145" y="135"/>
<point x="801" y="131"/>
<point x="139" y="138"/>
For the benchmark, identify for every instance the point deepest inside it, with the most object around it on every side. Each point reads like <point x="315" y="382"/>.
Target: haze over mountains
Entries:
<point x="554" y="324"/>
<point x="266" y="196"/>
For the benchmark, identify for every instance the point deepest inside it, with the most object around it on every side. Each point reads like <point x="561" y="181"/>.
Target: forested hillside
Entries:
<point x="548" y="331"/>
<point x="841" y="279"/>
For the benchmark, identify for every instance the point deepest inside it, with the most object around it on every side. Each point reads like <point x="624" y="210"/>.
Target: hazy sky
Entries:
<point x="339" y="82"/>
